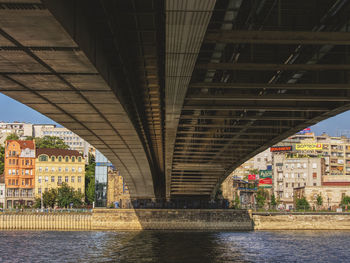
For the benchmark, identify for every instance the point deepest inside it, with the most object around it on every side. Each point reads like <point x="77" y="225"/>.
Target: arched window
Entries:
<point x="73" y="159"/>
<point x="52" y="158"/>
<point x="60" y="158"/>
<point x="43" y="158"/>
<point x="67" y="159"/>
<point x="79" y="159"/>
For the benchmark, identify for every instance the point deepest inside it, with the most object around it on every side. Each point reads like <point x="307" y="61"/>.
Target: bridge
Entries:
<point x="178" y="93"/>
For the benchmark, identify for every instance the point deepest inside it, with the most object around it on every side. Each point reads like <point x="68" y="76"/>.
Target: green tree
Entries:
<point x="236" y="201"/>
<point x="67" y="195"/>
<point x="302" y="204"/>
<point x="12" y="136"/>
<point x="319" y="200"/>
<point x="261" y="196"/>
<point x="273" y="201"/>
<point x="2" y="159"/>
<point x="90" y="180"/>
<point x="50" y="142"/>
<point x="50" y="198"/>
<point x="345" y="200"/>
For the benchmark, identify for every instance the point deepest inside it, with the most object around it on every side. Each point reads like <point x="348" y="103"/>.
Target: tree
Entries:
<point x="236" y="202"/>
<point x="90" y="180"/>
<point x="319" y="200"/>
<point x="12" y="136"/>
<point x="273" y="201"/>
<point x="50" y="142"/>
<point x="66" y="195"/>
<point x="302" y="204"/>
<point x="261" y="196"/>
<point x="50" y="198"/>
<point x="345" y="200"/>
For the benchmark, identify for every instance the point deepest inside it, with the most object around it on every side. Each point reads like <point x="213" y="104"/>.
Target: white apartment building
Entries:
<point x="291" y="172"/>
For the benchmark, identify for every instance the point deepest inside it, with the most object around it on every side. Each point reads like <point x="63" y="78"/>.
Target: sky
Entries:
<point x="12" y="110"/>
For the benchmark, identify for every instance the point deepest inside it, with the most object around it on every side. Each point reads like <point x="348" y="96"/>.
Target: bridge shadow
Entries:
<point x="172" y="246"/>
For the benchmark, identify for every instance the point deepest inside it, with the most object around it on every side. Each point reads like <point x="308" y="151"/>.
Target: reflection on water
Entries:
<point x="153" y="246"/>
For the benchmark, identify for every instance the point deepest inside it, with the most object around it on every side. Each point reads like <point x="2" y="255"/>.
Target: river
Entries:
<point x="179" y="247"/>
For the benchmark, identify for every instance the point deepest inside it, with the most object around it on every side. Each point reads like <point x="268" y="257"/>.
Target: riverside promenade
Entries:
<point x="173" y="219"/>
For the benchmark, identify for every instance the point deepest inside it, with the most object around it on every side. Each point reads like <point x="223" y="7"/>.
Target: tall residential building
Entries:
<point x="19" y="172"/>
<point x="101" y="179"/>
<point x="290" y="172"/>
<point x="70" y="138"/>
<point x="57" y="166"/>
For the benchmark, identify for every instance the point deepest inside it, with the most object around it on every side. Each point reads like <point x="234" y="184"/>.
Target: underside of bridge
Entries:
<point x="178" y="93"/>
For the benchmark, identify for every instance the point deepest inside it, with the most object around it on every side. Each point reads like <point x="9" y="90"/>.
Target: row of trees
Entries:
<point x="64" y="196"/>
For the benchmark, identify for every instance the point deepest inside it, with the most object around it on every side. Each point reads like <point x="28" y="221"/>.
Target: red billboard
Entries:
<point x="251" y="177"/>
<point x="280" y="148"/>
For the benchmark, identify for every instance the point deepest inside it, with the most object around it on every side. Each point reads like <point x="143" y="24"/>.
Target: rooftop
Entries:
<point x="57" y="152"/>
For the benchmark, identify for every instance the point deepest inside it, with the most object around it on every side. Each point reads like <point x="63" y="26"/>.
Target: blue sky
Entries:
<point x="12" y="110"/>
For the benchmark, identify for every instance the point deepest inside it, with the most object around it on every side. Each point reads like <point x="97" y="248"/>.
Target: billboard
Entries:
<point x="280" y="148"/>
<point x="251" y="177"/>
<point x="265" y="180"/>
<point x="307" y="130"/>
<point x="308" y="146"/>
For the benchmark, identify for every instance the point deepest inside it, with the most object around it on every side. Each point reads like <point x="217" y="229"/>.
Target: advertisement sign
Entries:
<point x="265" y="180"/>
<point x="308" y="146"/>
<point x="251" y="177"/>
<point x="280" y="148"/>
<point x="307" y="130"/>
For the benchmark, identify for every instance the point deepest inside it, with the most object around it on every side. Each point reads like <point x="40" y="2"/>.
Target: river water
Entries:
<point x="179" y="247"/>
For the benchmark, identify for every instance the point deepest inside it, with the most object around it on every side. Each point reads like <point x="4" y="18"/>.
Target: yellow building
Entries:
<point x="57" y="166"/>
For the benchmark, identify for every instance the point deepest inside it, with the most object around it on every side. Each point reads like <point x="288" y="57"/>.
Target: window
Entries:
<point x="286" y="165"/>
<point x="72" y="179"/>
<point x="66" y="179"/>
<point x="292" y="175"/>
<point x="66" y="169"/>
<point x="60" y="169"/>
<point x="314" y="184"/>
<point x="52" y="158"/>
<point x="59" y="179"/>
<point x="46" y="179"/>
<point x="39" y="179"/>
<point x="67" y="159"/>
<point x="298" y="165"/>
<point x="79" y="159"/>
<point x="52" y="169"/>
<point x="79" y="190"/>
<point x="79" y="169"/>
<point x="73" y="159"/>
<point x="60" y="158"/>
<point x="314" y="165"/>
<point x="293" y="185"/>
<point x="40" y="169"/>
<point x="292" y="165"/>
<point x="39" y="190"/>
<point x="27" y="172"/>
<point x="42" y="158"/>
<point x="314" y="175"/>
<point x="304" y="165"/>
<point x="10" y="171"/>
<point x="286" y="185"/>
<point x="73" y="169"/>
<point x="52" y="179"/>
<point x="46" y="169"/>
<point x="287" y="195"/>
<point x="79" y="179"/>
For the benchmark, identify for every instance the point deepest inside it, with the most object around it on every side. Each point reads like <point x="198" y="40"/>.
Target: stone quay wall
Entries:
<point x="171" y="219"/>
<point x="301" y="221"/>
<point x="45" y="221"/>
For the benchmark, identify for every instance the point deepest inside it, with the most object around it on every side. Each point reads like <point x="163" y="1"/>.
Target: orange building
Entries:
<point x="19" y="173"/>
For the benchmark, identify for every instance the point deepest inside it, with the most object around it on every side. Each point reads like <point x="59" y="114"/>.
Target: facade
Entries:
<point x="118" y="192"/>
<point x="19" y="173"/>
<point x="291" y="172"/>
<point x="101" y="179"/>
<point x="331" y="195"/>
<point x="57" y="166"/>
<point x="2" y="191"/>
<point x="70" y="138"/>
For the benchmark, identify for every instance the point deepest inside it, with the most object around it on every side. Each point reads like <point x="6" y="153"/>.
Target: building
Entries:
<point x="74" y="141"/>
<point x="117" y="191"/>
<point x="291" y="171"/>
<point x="101" y="179"/>
<point x="2" y="191"/>
<point x="245" y="190"/>
<point x="19" y="173"/>
<point x="19" y="128"/>
<point x="331" y="195"/>
<point x="57" y="166"/>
